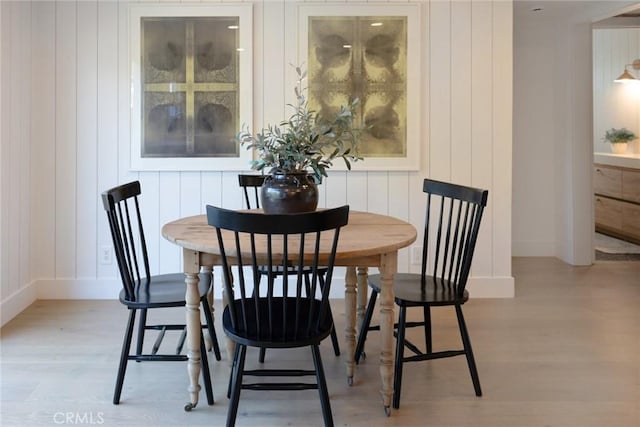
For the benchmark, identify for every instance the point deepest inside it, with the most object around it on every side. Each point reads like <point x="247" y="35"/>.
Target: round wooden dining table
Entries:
<point x="368" y="240"/>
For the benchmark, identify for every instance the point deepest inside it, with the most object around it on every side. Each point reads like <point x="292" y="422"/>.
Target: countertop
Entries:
<point x="622" y="160"/>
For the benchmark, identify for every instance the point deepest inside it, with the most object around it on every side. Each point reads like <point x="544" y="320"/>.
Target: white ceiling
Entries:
<point x="523" y="10"/>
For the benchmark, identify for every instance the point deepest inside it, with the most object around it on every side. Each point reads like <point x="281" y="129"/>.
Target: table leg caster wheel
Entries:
<point x="350" y="381"/>
<point x="387" y="410"/>
<point x="189" y="406"/>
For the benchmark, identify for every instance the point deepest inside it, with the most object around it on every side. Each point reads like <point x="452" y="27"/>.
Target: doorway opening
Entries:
<point x="616" y="106"/>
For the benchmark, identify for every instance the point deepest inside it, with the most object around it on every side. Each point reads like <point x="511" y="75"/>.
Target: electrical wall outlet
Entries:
<point x="105" y="255"/>
<point x="416" y="255"/>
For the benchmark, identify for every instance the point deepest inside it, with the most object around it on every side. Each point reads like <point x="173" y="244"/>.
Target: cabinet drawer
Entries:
<point x="608" y="213"/>
<point x="607" y="181"/>
<point x="631" y="185"/>
<point x="631" y="220"/>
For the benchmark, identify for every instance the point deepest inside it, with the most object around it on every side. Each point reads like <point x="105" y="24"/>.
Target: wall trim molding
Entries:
<point x="78" y="289"/>
<point x="17" y="302"/>
<point x="90" y="288"/>
<point x="531" y="248"/>
<point x="492" y="287"/>
<point x="480" y="287"/>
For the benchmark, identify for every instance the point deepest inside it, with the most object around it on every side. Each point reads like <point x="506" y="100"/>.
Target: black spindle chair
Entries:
<point x="250" y="185"/>
<point x="453" y="216"/>
<point x="260" y="315"/>
<point x="141" y="291"/>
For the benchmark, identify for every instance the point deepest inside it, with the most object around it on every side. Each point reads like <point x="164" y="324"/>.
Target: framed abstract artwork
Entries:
<point x="370" y="52"/>
<point x="191" y="86"/>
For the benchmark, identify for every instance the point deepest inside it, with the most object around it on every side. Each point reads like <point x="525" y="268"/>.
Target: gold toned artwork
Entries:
<point x="190" y="87"/>
<point x="362" y="57"/>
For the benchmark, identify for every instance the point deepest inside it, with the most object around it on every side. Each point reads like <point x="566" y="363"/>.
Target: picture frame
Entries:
<point x="372" y="52"/>
<point x="191" y="85"/>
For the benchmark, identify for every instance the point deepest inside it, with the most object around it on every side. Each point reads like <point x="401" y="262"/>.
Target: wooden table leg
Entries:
<point x="191" y="263"/>
<point x="350" y="321"/>
<point x="388" y="267"/>
<point x="363" y="290"/>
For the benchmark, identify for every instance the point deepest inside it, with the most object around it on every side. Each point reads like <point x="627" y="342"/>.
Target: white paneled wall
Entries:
<point x="68" y="140"/>
<point x="614" y="104"/>
<point x="17" y="217"/>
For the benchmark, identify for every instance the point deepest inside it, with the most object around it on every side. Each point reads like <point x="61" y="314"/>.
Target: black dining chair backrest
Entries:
<point x="452" y="223"/>
<point x="291" y="241"/>
<point x="125" y="222"/>
<point x="251" y="184"/>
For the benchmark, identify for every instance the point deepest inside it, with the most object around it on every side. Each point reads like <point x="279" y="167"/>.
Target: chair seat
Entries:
<point x="284" y="333"/>
<point x="408" y="291"/>
<point x="164" y="290"/>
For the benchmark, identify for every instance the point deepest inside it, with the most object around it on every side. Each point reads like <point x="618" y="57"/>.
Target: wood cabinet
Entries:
<point x="617" y="201"/>
<point x="607" y="181"/>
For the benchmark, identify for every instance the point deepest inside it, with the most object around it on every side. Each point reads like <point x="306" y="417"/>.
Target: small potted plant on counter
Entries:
<point x="619" y="138"/>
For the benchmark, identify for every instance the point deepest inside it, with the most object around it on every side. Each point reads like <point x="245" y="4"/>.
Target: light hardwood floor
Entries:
<point x="564" y="352"/>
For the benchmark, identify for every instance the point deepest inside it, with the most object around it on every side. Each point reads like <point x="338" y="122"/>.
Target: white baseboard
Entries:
<point x="491" y="287"/>
<point x="479" y="287"/>
<point x="79" y="288"/>
<point x="17" y="302"/>
<point x="529" y="248"/>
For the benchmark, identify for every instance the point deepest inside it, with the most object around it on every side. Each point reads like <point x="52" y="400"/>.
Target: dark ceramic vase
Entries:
<point x="284" y="193"/>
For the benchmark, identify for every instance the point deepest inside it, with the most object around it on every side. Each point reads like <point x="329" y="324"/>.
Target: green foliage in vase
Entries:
<point x="615" y="136"/>
<point x="306" y="141"/>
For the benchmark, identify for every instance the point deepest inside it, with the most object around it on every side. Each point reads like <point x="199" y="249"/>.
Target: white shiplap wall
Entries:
<point x="614" y="104"/>
<point x="17" y="217"/>
<point x="68" y="140"/>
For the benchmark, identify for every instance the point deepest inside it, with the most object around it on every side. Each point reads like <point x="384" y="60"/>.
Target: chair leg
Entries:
<point x="237" y="385"/>
<point x="334" y="341"/>
<point x="233" y="369"/>
<point x="181" y="340"/>
<point x="206" y="374"/>
<point x="397" y="377"/>
<point x="334" y="335"/>
<point x="366" y="322"/>
<point x="428" y="339"/>
<point x="124" y="356"/>
<point x="263" y="351"/>
<point x="466" y="341"/>
<point x="212" y="332"/>
<point x="141" y="329"/>
<point x="322" y="386"/>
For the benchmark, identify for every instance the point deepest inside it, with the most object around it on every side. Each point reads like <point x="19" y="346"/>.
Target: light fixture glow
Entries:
<point x="376" y="24"/>
<point x="233" y="27"/>
<point x="240" y="49"/>
<point x="346" y="46"/>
